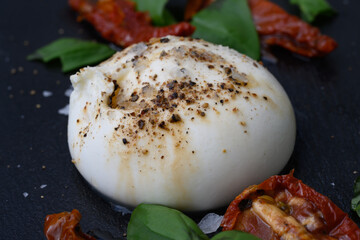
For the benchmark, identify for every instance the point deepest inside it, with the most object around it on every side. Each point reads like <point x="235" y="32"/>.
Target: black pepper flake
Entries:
<point x="210" y="66"/>
<point x="227" y="70"/>
<point x="162" y="125"/>
<point x="125" y="141"/>
<point x="210" y="85"/>
<point x="222" y="85"/>
<point x="245" y="204"/>
<point x="222" y="101"/>
<point x="192" y="83"/>
<point x="163" y="54"/>
<point x="141" y="124"/>
<point x="201" y="113"/>
<point x="265" y="98"/>
<point x="183" y="85"/>
<point x="152" y="121"/>
<point x="175" y="118"/>
<point x="190" y="101"/>
<point x="182" y="96"/>
<point x="173" y="96"/>
<point x="171" y="84"/>
<point x="134" y="97"/>
<point x="164" y="40"/>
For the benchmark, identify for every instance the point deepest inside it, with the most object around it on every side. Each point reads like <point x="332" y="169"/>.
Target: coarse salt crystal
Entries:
<point x="47" y="93"/>
<point x="120" y="209"/>
<point x="43" y="186"/>
<point x="69" y="91"/>
<point x="210" y="223"/>
<point x="25" y="194"/>
<point x="64" y="110"/>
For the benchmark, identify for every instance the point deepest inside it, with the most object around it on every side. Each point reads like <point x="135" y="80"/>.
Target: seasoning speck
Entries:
<point x="125" y="141"/>
<point x="25" y="194"/>
<point x="164" y="40"/>
<point x="175" y="118"/>
<point x="47" y="93"/>
<point x="64" y="110"/>
<point x="141" y="124"/>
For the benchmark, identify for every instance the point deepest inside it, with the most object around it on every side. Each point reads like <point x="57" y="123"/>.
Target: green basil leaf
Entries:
<point x="159" y="15"/>
<point x="355" y="202"/>
<point x="229" y="23"/>
<point x="55" y="49"/>
<point x="83" y="57"/>
<point x="234" y="235"/>
<point x="73" y="53"/>
<point x="310" y="9"/>
<point x="150" y="222"/>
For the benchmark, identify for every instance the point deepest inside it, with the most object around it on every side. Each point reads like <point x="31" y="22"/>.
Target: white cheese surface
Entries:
<point x="179" y="122"/>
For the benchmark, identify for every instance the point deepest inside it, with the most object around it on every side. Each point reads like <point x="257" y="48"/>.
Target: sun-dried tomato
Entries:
<point x="119" y="22"/>
<point x="283" y="207"/>
<point x="64" y="226"/>
<point x="276" y="27"/>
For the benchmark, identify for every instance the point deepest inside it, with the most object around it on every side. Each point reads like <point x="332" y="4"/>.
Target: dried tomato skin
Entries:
<point x="118" y="22"/>
<point x="339" y="225"/>
<point x="64" y="226"/>
<point x="276" y="27"/>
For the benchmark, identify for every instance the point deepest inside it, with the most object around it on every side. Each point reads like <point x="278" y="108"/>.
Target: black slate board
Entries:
<point x="33" y="143"/>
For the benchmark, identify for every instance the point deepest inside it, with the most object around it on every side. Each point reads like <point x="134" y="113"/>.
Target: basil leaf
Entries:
<point x="234" y="235"/>
<point x="229" y="23"/>
<point x="310" y="9"/>
<point x="150" y="222"/>
<point x="355" y="202"/>
<point x="159" y="15"/>
<point x="73" y="53"/>
<point x="83" y="57"/>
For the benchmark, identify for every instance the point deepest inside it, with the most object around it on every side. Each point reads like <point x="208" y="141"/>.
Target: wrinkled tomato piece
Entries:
<point x="283" y="207"/>
<point x="118" y="22"/>
<point x="276" y="27"/>
<point x="64" y="226"/>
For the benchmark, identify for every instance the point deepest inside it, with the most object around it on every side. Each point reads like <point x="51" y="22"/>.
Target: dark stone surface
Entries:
<point x="324" y="93"/>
